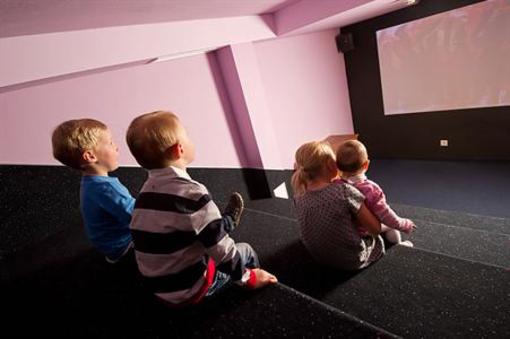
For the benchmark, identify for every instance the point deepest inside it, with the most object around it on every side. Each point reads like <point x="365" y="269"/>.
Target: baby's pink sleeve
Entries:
<point x="376" y="203"/>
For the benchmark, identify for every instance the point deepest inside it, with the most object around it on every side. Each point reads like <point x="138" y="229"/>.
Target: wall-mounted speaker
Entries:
<point x="344" y="42"/>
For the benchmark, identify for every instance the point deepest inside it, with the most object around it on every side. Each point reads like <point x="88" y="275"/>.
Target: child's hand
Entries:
<point x="263" y="278"/>
<point x="409" y="226"/>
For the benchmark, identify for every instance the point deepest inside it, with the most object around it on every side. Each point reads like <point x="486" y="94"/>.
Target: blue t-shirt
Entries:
<point x="106" y="206"/>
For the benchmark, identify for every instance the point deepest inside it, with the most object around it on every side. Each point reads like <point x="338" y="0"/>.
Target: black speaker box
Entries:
<point x="344" y="42"/>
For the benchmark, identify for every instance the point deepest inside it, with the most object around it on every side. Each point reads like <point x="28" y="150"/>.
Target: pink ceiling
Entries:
<point x="25" y="17"/>
<point x="98" y="34"/>
<point x="30" y="17"/>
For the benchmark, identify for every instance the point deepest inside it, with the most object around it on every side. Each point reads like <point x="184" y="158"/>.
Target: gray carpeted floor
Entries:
<point x="454" y="283"/>
<point x="434" y="290"/>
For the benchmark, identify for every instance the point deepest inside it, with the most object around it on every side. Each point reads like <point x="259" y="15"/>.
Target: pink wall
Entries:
<point x="306" y="89"/>
<point x="247" y="95"/>
<point x="186" y="86"/>
<point x="294" y="90"/>
<point x="240" y="111"/>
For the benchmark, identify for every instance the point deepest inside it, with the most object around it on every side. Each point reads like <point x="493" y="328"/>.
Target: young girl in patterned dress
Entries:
<point x="328" y="212"/>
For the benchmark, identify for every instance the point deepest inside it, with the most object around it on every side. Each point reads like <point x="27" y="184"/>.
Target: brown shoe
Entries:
<point x="235" y="207"/>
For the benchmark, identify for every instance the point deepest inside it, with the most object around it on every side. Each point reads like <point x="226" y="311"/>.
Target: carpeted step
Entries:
<point x="466" y="220"/>
<point x="473" y="242"/>
<point x="59" y="247"/>
<point x="273" y="312"/>
<point x="464" y="243"/>
<point x="409" y="292"/>
<point x="473" y="237"/>
<point x="49" y="290"/>
<point x="421" y="294"/>
<point x="276" y="241"/>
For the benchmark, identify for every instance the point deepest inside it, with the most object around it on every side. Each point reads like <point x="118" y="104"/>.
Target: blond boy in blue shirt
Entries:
<point x="105" y="204"/>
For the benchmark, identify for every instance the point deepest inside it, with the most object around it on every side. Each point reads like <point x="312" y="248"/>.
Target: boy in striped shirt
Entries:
<point x="182" y="244"/>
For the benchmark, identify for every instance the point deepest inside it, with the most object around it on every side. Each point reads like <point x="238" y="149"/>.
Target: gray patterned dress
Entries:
<point x="326" y="218"/>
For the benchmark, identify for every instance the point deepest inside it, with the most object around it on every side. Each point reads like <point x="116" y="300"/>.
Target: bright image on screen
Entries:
<point x="452" y="60"/>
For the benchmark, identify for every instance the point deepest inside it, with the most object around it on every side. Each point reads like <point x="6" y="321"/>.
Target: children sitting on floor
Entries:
<point x="182" y="243"/>
<point x="105" y="204"/>
<point x="352" y="161"/>
<point x="327" y="212"/>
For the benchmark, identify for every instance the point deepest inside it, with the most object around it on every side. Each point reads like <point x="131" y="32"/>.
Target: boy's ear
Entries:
<point x="366" y="164"/>
<point x="175" y="152"/>
<point x="89" y="156"/>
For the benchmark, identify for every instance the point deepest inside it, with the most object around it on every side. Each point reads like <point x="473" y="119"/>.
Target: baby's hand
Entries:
<point x="263" y="278"/>
<point x="409" y="226"/>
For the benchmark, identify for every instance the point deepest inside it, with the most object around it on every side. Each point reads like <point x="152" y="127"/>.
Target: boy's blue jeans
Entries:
<point x="222" y="280"/>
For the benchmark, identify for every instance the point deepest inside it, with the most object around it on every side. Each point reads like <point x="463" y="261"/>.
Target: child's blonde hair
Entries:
<point x="311" y="161"/>
<point x="73" y="137"/>
<point x="150" y="135"/>
<point x="351" y="156"/>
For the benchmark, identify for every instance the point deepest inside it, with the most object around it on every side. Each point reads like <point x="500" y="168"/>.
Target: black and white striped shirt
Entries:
<point x="176" y="229"/>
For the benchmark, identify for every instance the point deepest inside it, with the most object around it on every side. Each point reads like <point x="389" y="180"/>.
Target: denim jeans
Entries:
<point x="222" y="280"/>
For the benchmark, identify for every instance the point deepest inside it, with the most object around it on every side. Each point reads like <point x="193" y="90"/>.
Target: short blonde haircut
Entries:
<point x="351" y="156"/>
<point x="150" y="135"/>
<point x="73" y="137"/>
<point x="311" y="162"/>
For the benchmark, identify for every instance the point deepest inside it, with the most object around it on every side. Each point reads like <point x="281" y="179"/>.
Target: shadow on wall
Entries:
<point x="255" y="178"/>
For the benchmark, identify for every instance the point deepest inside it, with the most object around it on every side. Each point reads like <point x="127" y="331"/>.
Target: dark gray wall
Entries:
<point x="478" y="133"/>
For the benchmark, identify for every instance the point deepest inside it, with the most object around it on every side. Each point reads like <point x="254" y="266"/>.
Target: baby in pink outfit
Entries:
<point x="352" y="161"/>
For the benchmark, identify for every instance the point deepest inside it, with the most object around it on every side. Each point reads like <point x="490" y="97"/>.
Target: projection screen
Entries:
<point x="452" y="60"/>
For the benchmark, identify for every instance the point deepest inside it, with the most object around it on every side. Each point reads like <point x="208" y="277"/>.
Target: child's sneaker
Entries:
<point x="235" y="207"/>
